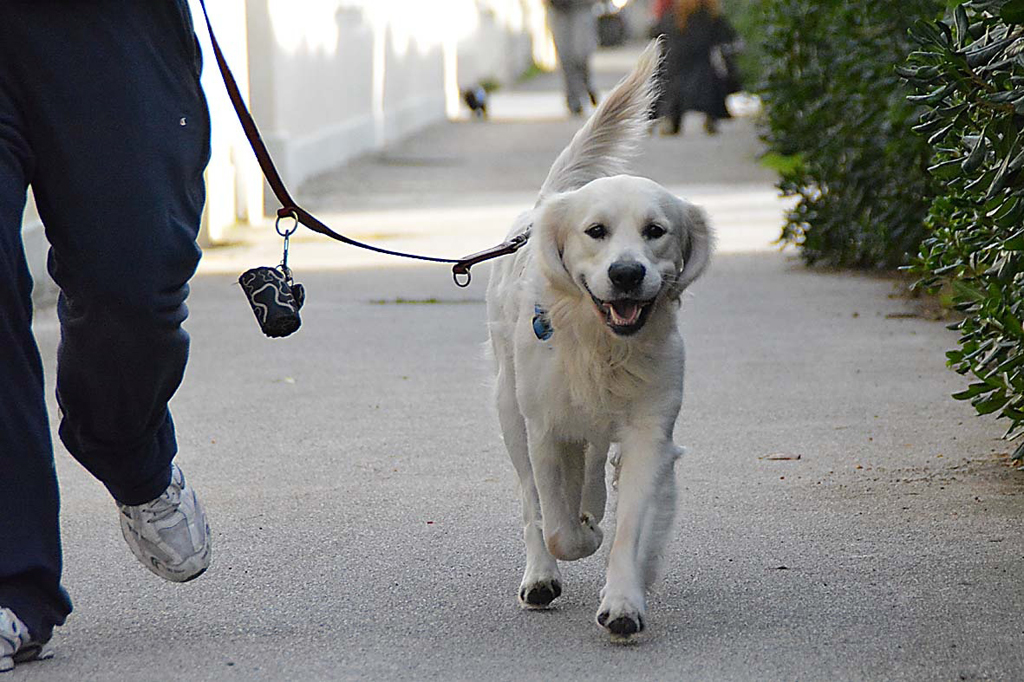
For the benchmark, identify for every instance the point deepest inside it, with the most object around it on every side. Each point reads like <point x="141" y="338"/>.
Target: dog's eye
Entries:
<point x="596" y="231"/>
<point x="654" y="231"/>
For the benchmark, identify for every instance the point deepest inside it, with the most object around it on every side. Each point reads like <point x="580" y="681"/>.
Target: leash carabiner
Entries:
<point x="286" y="233"/>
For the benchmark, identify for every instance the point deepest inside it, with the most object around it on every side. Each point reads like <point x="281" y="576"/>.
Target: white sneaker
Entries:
<point x="169" y="535"/>
<point x="16" y="644"/>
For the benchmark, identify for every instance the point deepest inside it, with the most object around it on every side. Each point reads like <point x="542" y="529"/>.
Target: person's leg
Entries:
<point x="121" y="137"/>
<point x="672" y="110"/>
<point x="30" y="551"/>
<point x="588" y="83"/>
<point x="585" y="41"/>
<point x="575" y="85"/>
<point x="561" y="22"/>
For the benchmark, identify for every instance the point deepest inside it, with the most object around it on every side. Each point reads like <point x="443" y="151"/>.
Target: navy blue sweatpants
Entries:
<point x="101" y="112"/>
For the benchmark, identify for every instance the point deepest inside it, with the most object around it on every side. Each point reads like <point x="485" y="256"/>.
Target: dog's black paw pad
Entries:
<point x="623" y="626"/>
<point x="541" y="595"/>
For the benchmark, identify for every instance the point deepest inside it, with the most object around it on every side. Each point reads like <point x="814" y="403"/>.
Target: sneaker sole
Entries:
<point x="188" y="580"/>
<point x="160" y="570"/>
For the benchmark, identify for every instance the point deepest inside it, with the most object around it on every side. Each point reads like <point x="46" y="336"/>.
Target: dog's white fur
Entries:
<point x="563" y="401"/>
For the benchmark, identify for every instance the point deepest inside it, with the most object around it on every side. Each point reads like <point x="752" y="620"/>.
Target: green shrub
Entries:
<point x="836" y="122"/>
<point x="969" y="74"/>
<point x="747" y="17"/>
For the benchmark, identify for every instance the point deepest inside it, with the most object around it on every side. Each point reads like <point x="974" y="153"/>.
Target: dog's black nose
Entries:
<point x="626" y="276"/>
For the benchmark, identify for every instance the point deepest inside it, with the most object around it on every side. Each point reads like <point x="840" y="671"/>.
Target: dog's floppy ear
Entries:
<point x="548" y="233"/>
<point x="696" y="241"/>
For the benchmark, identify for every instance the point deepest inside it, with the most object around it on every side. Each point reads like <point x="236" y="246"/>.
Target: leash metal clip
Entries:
<point x="283" y="214"/>
<point x="286" y="233"/>
<point x="461" y="268"/>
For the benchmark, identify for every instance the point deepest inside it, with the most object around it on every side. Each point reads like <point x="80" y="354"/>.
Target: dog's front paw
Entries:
<point x="621" y="617"/>
<point x="539" y="594"/>
<point x="569" y="544"/>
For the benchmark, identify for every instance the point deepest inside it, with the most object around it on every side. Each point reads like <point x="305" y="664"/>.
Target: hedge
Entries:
<point x="968" y="73"/>
<point x="747" y="17"/>
<point x="836" y="127"/>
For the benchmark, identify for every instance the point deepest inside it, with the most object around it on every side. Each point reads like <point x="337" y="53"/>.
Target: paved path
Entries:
<point x="365" y="515"/>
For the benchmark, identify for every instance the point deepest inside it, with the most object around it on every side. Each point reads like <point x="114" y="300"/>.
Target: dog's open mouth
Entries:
<point x="624" y="316"/>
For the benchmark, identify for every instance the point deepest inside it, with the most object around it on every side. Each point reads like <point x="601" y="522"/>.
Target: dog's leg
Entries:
<point x="595" y="493"/>
<point x="558" y="467"/>
<point x="646" y="508"/>
<point x="542" y="582"/>
<point x="656" y="531"/>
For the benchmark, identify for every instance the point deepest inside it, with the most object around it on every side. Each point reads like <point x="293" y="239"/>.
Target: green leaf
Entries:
<point x="962" y="24"/>
<point x="966" y="291"/>
<point x="1012" y="324"/>
<point x="1014" y="242"/>
<point x="909" y="72"/>
<point x="1013" y="217"/>
<point x="928" y="125"/>
<point x="1012" y="12"/>
<point x="977" y="155"/>
<point x="973" y="390"/>
<point x="934" y="96"/>
<point x="940" y="134"/>
<point x="991" y="405"/>
<point x="1003" y="209"/>
<point x="1000" y="179"/>
<point x="945" y="169"/>
<point x="981" y="182"/>
<point x="926" y="31"/>
<point x="1006" y="96"/>
<point x="784" y="164"/>
<point x="977" y="56"/>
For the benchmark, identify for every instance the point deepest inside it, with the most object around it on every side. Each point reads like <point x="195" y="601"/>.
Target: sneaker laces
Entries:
<point x="164" y="506"/>
<point x="167" y="504"/>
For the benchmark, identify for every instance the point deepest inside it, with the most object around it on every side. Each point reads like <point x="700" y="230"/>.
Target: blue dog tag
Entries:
<point x="541" y="324"/>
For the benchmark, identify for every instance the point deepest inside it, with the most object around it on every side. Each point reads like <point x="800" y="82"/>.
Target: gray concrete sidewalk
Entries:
<point x="840" y="517"/>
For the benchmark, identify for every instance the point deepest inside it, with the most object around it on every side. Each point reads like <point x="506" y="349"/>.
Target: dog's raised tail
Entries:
<point x="605" y="144"/>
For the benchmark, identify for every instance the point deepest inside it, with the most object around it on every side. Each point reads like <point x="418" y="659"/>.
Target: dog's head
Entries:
<point x="623" y="242"/>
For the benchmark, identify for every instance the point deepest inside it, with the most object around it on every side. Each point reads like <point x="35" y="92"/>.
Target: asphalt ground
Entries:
<point x="840" y="517"/>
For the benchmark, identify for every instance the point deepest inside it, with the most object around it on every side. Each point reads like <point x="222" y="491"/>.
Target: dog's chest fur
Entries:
<point x="591" y="380"/>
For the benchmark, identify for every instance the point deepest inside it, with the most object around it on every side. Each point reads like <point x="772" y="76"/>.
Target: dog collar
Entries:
<point x="541" y="324"/>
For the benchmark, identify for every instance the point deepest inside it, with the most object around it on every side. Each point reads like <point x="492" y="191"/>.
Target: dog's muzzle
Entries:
<point x="625" y="316"/>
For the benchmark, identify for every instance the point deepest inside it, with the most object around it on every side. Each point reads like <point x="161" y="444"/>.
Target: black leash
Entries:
<point x="291" y="209"/>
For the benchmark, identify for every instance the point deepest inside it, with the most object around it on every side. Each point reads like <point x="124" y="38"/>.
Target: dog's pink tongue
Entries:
<point x="625" y="312"/>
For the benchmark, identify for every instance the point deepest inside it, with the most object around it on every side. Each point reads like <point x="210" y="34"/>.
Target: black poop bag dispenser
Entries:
<point x="275" y="298"/>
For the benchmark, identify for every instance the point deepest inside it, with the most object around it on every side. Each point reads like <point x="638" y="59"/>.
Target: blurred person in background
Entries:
<point x="574" y="27"/>
<point x="696" y="73"/>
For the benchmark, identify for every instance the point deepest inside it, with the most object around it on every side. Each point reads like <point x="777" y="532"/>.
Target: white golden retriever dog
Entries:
<point x="588" y="353"/>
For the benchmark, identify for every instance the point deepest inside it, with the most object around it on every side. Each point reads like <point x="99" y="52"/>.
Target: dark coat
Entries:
<point x="689" y="80"/>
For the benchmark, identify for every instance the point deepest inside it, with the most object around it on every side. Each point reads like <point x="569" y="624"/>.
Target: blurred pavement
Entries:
<point x="840" y="517"/>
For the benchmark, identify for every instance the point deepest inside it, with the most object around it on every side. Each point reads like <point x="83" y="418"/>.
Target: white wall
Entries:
<point x="332" y="79"/>
<point x="233" y="180"/>
<point x="508" y="37"/>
